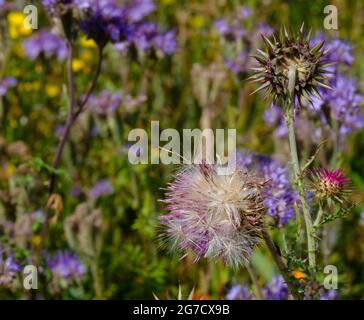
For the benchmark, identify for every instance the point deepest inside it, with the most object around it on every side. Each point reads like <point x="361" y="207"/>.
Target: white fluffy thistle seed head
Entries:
<point x="214" y="216"/>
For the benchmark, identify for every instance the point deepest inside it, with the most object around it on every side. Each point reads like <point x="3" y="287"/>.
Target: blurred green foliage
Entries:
<point x="131" y="264"/>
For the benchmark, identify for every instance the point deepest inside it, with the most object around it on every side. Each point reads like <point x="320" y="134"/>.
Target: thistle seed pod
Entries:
<point x="214" y="216"/>
<point x="285" y="54"/>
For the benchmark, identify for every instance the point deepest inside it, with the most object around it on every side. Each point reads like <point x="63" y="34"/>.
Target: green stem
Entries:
<point x="289" y="117"/>
<point x="253" y="276"/>
<point x="280" y="263"/>
<point x="96" y="279"/>
<point x="301" y="192"/>
<point x="319" y="216"/>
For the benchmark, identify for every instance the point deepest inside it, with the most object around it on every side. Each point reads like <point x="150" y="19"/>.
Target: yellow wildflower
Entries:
<point x="88" y="43"/>
<point x="51" y="90"/>
<point x="77" y="65"/>
<point x="36" y="240"/>
<point x="86" y="55"/>
<point x="197" y="21"/>
<point x="36" y="86"/>
<point x="7" y="171"/>
<point x="17" y="28"/>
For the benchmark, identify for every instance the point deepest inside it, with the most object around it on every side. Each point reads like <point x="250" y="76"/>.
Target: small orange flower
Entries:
<point x="298" y="274"/>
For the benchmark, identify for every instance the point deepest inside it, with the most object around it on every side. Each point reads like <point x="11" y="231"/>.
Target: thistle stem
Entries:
<point x="319" y="216"/>
<point x="253" y="277"/>
<point x="289" y="118"/>
<point x="280" y="263"/>
<point x="300" y="189"/>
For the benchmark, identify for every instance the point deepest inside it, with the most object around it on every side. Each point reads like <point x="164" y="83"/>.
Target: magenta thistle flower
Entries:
<point x="330" y="184"/>
<point x="214" y="216"/>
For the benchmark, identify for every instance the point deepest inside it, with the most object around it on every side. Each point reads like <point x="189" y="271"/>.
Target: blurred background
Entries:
<point x="103" y="236"/>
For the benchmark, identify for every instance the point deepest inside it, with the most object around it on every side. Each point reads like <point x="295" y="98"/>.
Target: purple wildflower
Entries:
<point x="232" y="31"/>
<point x="94" y="132"/>
<point x="8" y="267"/>
<point x="264" y="29"/>
<point x="57" y="7"/>
<point x="146" y="37"/>
<point x="362" y="218"/>
<point x="222" y="26"/>
<point x="47" y="44"/>
<point x="338" y="51"/>
<point x="273" y="116"/>
<point x="59" y="131"/>
<point x="239" y="292"/>
<point x="165" y="42"/>
<point x="102" y="187"/>
<point x="137" y="10"/>
<point x="49" y="4"/>
<point x="276" y="290"/>
<point x="344" y="103"/>
<point x="6" y="6"/>
<point x="120" y="23"/>
<point x="328" y="295"/>
<point x="76" y="191"/>
<point x="104" y="28"/>
<point x="105" y="102"/>
<point x="66" y="265"/>
<point x="238" y="40"/>
<point x="5" y="84"/>
<point x="244" y="12"/>
<point x="278" y="195"/>
<point x="239" y="64"/>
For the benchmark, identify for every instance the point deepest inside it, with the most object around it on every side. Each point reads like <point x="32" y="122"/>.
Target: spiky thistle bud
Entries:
<point x="288" y="55"/>
<point x="327" y="184"/>
<point x="214" y="216"/>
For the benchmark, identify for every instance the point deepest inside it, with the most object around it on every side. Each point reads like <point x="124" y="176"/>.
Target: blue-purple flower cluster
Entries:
<point x="124" y="24"/>
<point x="105" y="102"/>
<point x="239" y="292"/>
<point x="344" y="103"/>
<point x="102" y="187"/>
<point x="338" y="52"/>
<point x="6" y="6"/>
<point x="279" y="196"/>
<point x="6" y="84"/>
<point x="275" y="290"/>
<point x="273" y="116"/>
<point x="329" y="295"/>
<point x="46" y="44"/>
<point x="9" y="267"/>
<point x="66" y="265"/>
<point x="239" y="41"/>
